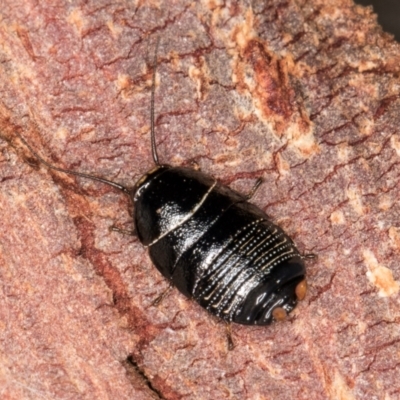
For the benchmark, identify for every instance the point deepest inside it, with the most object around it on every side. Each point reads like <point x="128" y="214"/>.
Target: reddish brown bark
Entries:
<point x="301" y="93"/>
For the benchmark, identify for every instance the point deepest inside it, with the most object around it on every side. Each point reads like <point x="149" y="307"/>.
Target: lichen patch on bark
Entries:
<point x="380" y="276"/>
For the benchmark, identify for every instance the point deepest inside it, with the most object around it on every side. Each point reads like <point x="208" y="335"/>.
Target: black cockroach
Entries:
<point x="211" y="243"/>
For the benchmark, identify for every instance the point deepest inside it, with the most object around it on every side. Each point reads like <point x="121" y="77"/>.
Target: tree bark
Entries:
<point x="303" y="93"/>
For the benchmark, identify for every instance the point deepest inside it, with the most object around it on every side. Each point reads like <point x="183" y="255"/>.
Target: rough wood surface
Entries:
<point x="301" y="93"/>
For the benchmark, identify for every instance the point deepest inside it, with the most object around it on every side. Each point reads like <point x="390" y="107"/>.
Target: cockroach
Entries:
<point x="210" y="242"/>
